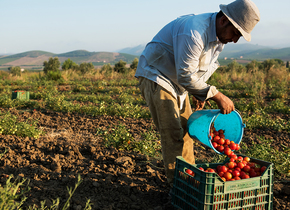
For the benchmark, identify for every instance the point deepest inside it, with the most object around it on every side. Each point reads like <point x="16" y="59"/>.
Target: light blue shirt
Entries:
<point x="182" y="56"/>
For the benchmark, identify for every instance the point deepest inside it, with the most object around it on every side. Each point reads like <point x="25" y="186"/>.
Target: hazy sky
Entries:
<point x="60" y="26"/>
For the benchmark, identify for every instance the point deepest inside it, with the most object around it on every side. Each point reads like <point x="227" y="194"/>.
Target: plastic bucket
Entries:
<point x="199" y="123"/>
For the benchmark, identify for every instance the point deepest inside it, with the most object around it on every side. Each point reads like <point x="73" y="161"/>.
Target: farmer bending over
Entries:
<point x="179" y="60"/>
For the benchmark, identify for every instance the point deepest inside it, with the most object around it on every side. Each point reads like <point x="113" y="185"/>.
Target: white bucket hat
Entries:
<point x="243" y="14"/>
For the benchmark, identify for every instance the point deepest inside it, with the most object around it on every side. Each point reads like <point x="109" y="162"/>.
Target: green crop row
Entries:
<point x="261" y="97"/>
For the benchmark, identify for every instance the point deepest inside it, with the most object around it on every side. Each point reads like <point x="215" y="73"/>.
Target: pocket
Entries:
<point x="155" y="87"/>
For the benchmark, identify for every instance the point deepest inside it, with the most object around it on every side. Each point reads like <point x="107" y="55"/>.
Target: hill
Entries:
<point x="237" y="51"/>
<point x="243" y="53"/>
<point x="35" y="59"/>
<point x="133" y="50"/>
<point x="254" y="52"/>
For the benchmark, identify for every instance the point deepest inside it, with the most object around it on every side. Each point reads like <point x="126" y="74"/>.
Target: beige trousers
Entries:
<point x="171" y="122"/>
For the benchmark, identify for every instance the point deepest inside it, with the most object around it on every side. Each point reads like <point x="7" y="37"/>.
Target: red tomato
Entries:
<point x="190" y="172"/>
<point x="245" y="176"/>
<point x="201" y="168"/>
<point x="236" y="173"/>
<point x="234" y="156"/>
<point x="241" y="165"/>
<point x="220" y="148"/>
<point x="251" y="164"/>
<point x="216" y="138"/>
<point x="245" y="163"/>
<point x="246" y="168"/>
<point x="221" y="131"/>
<point x="214" y="144"/>
<point x="237" y="178"/>
<point x="227" y="151"/>
<point x="252" y="173"/>
<point x="237" y="147"/>
<point x="216" y="133"/>
<point x="227" y="142"/>
<point x="233" y="146"/>
<point x="228" y="176"/>
<point x="210" y="170"/>
<point x="263" y="168"/>
<point x="221" y="174"/>
<point x="221" y="141"/>
<point x="224" y="179"/>
<point x="231" y="164"/>
<point x="223" y="169"/>
<point x="247" y="159"/>
<point x="257" y="169"/>
<point x="242" y="173"/>
<point x="240" y="158"/>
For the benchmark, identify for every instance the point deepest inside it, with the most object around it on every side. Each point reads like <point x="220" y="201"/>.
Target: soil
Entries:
<point x="111" y="179"/>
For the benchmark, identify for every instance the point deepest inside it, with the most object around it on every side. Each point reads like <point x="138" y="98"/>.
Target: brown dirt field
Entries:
<point x="112" y="179"/>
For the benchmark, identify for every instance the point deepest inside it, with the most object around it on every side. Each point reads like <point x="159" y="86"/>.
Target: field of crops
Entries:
<point x="96" y="118"/>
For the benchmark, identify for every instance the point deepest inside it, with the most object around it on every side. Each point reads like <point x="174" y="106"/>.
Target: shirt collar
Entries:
<point x="212" y="34"/>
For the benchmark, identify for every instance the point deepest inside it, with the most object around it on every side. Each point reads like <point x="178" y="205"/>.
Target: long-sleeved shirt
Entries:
<point x="182" y="56"/>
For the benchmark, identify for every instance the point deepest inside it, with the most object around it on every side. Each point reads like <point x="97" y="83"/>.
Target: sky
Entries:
<point x="60" y="26"/>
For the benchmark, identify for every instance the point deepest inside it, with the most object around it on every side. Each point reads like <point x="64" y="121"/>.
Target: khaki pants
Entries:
<point x="171" y="123"/>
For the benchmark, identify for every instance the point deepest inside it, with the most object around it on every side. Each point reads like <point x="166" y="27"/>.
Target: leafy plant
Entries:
<point x="9" y="125"/>
<point x="120" y="137"/>
<point x="12" y="196"/>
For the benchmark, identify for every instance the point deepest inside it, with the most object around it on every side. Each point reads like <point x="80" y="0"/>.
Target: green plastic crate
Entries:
<point x="207" y="191"/>
<point x="20" y="94"/>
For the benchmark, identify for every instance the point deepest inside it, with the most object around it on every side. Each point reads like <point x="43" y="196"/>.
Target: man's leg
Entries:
<point x="171" y="124"/>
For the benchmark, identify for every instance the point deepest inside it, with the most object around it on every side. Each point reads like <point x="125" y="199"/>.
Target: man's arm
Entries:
<point x="224" y="103"/>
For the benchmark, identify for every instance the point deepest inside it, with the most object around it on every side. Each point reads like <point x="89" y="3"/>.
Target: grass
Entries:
<point x="261" y="96"/>
<point x="12" y="196"/>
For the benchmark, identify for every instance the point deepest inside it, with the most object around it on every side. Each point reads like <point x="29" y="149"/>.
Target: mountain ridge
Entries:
<point x="237" y="51"/>
<point x="34" y="58"/>
<point x="37" y="57"/>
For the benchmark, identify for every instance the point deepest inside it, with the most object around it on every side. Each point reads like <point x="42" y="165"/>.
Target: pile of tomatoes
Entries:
<point x="237" y="167"/>
<point x="221" y="144"/>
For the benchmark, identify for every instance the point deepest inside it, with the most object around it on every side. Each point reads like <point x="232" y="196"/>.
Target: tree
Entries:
<point x="107" y="68"/>
<point x="15" y="70"/>
<point x="53" y="64"/>
<point x="86" y="67"/>
<point x="287" y="64"/>
<point x="68" y="64"/>
<point x="253" y="66"/>
<point x="120" y="67"/>
<point x="234" y="66"/>
<point x="134" y="64"/>
<point x="271" y="63"/>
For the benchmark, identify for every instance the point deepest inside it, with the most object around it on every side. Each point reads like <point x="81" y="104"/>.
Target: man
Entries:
<point x="179" y="60"/>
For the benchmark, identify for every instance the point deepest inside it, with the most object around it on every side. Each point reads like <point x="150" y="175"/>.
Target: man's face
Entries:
<point x="228" y="33"/>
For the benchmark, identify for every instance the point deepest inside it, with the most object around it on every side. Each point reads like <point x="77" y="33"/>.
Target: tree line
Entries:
<point x="52" y="68"/>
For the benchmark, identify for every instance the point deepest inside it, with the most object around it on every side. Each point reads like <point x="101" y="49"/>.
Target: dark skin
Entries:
<point x="226" y="33"/>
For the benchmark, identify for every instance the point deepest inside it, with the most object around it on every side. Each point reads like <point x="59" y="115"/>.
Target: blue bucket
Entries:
<point x="199" y="123"/>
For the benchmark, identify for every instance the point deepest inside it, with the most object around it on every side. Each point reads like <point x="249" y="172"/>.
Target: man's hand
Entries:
<point x="199" y="104"/>
<point x="224" y="103"/>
